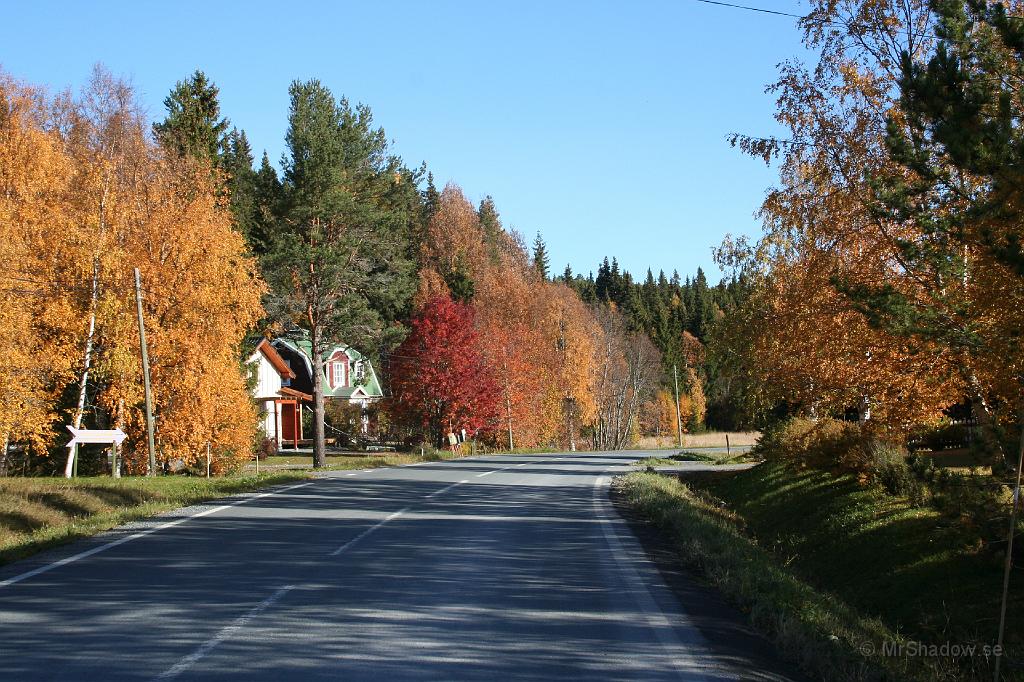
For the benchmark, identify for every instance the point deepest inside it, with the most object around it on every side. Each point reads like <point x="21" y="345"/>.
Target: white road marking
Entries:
<point x="487" y="473"/>
<point x="368" y="531"/>
<point x="445" y="489"/>
<point x="225" y="634"/>
<point x="388" y="519"/>
<point x="135" y="536"/>
<point x="635" y="585"/>
<point x="350" y="474"/>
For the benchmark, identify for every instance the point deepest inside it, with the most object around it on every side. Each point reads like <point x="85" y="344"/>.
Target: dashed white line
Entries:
<point x="224" y="634"/>
<point x="135" y="536"/>
<point x="445" y="489"/>
<point x="368" y="531"/>
<point x="388" y="519"/>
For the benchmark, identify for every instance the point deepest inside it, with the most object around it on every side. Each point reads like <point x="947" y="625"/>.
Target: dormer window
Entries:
<point x="359" y="371"/>
<point x="337" y="374"/>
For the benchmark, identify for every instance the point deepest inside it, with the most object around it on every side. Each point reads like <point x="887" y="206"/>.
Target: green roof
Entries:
<point x="369" y="383"/>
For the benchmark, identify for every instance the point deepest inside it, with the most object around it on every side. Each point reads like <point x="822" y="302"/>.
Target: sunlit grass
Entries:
<point x="38" y="513"/>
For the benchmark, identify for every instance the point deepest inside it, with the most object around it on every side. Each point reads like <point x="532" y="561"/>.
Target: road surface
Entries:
<point x="483" y="568"/>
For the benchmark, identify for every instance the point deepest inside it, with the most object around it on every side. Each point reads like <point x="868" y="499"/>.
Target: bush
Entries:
<point x="889" y="467"/>
<point x="834" y="444"/>
<point x="822" y="443"/>
<point x="266" y="448"/>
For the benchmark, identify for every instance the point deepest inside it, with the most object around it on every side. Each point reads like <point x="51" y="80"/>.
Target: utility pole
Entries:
<point x="679" y="416"/>
<point x="150" y="441"/>
<point x="1009" y="553"/>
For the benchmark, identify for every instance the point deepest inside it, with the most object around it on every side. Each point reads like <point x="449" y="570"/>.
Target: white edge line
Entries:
<point x="135" y="536"/>
<point x="225" y="633"/>
<point x="645" y="601"/>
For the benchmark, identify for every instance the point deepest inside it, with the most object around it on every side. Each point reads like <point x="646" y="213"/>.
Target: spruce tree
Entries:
<point x="541" y="262"/>
<point x="193" y="126"/>
<point x="490" y="225"/>
<point x="240" y="179"/>
<point x="267" y="196"/>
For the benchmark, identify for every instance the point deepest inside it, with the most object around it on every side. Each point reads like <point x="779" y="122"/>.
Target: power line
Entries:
<point x="849" y="26"/>
<point x="751" y="9"/>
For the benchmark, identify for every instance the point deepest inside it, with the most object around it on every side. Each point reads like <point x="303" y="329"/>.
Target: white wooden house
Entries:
<point x="280" y="404"/>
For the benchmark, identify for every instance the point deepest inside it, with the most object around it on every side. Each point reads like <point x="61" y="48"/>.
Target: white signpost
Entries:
<point x="109" y="437"/>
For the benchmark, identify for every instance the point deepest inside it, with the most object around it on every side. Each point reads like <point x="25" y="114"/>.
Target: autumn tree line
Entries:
<point x="345" y="242"/>
<point x="887" y="287"/>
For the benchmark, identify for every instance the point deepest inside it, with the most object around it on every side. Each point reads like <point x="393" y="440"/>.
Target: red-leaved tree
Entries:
<point x="439" y="377"/>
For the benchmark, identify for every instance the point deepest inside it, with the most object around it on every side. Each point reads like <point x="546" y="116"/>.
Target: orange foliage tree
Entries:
<point x="94" y="199"/>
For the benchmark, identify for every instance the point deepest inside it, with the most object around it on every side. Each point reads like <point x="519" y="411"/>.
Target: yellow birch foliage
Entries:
<point x="800" y="339"/>
<point x="86" y="198"/>
<point x="33" y="184"/>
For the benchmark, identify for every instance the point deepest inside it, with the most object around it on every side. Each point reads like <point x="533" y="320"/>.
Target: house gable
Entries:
<point x="272" y="371"/>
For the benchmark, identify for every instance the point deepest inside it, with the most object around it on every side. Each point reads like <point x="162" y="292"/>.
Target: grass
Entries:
<point x="358" y="460"/>
<point x="926" y="574"/>
<point x="40" y="513"/>
<point x="344" y="461"/>
<point x="687" y="456"/>
<point x="831" y="569"/>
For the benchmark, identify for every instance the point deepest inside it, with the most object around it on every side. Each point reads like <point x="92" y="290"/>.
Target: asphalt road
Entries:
<point x="494" y="567"/>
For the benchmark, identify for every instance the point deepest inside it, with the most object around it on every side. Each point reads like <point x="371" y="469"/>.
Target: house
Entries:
<point x="348" y="376"/>
<point x="280" y="402"/>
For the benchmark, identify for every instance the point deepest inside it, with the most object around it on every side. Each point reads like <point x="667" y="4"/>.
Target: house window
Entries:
<point x="337" y="374"/>
<point x="359" y="371"/>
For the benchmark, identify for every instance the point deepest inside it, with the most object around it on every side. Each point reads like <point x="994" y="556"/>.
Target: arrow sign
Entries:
<point x="95" y="436"/>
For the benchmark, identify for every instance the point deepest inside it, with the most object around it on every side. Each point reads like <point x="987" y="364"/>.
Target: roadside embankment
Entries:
<point x="849" y="581"/>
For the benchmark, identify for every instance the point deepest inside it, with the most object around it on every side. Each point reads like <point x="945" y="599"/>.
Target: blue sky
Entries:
<point x="601" y="125"/>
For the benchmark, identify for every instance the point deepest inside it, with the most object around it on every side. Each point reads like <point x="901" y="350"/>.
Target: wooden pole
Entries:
<point x="150" y="440"/>
<point x="679" y="416"/>
<point x="208" y="459"/>
<point x="1009" y="553"/>
<point x="114" y="472"/>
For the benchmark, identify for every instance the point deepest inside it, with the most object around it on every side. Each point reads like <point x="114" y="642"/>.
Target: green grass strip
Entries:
<point x="825" y="636"/>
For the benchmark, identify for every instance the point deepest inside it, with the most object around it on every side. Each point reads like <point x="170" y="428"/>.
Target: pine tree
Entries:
<point x="541" y="261"/>
<point x="193" y="126"/>
<point x="567" y="275"/>
<point x="336" y="257"/>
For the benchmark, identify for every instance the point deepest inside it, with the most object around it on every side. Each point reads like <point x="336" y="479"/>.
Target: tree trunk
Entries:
<point x="508" y="412"/>
<point x="864" y="410"/>
<point x="83" y="384"/>
<point x="983" y="415"/>
<point x="319" y="444"/>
